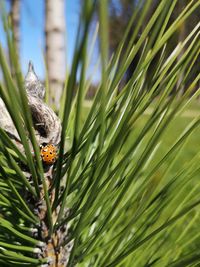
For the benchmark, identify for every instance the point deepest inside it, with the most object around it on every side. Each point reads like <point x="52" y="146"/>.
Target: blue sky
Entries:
<point x="32" y="32"/>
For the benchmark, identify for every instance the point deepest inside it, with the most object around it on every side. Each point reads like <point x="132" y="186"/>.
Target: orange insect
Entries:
<point x="48" y="154"/>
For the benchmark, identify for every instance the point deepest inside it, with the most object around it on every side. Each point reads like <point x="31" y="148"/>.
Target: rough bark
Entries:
<point x="46" y="123"/>
<point x="55" y="48"/>
<point x="47" y="130"/>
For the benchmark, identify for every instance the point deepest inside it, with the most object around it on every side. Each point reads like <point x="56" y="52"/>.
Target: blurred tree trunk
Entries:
<point x="55" y="48"/>
<point x="181" y="37"/>
<point x="15" y="6"/>
<point x="15" y="18"/>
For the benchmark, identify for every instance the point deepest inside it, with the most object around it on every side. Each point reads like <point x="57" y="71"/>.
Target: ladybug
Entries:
<point x="48" y="154"/>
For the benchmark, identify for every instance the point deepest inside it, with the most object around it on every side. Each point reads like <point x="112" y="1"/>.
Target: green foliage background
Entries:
<point x="131" y="164"/>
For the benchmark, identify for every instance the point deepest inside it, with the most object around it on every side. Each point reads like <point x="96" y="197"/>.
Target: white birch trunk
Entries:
<point x="55" y="48"/>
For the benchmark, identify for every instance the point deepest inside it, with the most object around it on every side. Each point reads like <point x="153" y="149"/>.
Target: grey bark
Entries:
<point x="15" y="17"/>
<point x="47" y="130"/>
<point x="55" y="48"/>
<point x="46" y="123"/>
